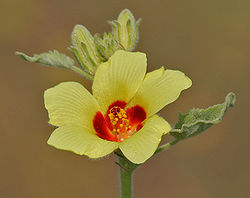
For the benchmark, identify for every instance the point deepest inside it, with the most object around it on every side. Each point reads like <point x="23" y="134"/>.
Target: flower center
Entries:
<point x="120" y="123"/>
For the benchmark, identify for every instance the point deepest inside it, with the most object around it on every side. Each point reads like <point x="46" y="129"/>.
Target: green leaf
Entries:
<point x="51" y="58"/>
<point x="198" y="120"/>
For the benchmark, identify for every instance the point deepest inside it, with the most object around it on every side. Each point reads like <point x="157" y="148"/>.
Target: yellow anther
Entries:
<point x="120" y="123"/>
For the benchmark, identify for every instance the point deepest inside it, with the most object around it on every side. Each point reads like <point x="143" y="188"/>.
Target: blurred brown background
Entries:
<point x="208" y="40"/>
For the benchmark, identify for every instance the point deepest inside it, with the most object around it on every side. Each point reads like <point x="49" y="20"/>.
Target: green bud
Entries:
<point x="124" y="36"/>
<point x="84" y="48"/>
<point x="106" y="46"/>
<point x="125" y="30"/>
<point x="91" y="51"/>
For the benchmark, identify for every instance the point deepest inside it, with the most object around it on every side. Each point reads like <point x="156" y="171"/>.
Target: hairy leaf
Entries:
<point x="51" y="58"/>
<point x="198" y="120"/>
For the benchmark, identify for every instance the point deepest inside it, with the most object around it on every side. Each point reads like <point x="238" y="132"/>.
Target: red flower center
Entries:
<point x="119" y="123"/>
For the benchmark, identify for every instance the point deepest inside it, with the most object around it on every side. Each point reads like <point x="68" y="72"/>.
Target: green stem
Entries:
<point x="165" y="146"/>
<point x="127" y="168"/>
<point x="126" y="175"/>
<point x="82" y="72"/>
<point x="126" y="178"/>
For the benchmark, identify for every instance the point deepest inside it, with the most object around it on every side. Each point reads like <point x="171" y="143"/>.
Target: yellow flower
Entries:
<point x="121" y="111"/>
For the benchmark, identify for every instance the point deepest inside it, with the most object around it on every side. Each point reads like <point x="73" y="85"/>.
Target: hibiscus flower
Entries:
<point x="121" y="113"/>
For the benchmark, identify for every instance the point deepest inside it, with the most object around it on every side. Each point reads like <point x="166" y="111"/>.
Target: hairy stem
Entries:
<point x="82" y="72"/>
<point x="165" y="146"/>
<point x="126" y="178"/>
<point x="126" y="169"/>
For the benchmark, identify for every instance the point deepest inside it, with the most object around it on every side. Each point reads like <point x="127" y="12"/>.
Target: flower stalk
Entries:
<point x="82" y="72"/>
<point x="126" y="179"/>
<point x="166" y="146"/>
<point x="126" y="169"/>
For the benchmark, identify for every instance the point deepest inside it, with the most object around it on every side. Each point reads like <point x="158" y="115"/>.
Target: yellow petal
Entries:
<point x="142" y="145"/>
<point x="80" y="140"/>
<point x="119" y="78"/>
<point x="160" y="88"/>
<point x="70" y="102"/>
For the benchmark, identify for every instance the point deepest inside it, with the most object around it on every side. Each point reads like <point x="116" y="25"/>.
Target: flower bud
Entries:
<point x="125" y="30"/>
<point x="84" y="48"/>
